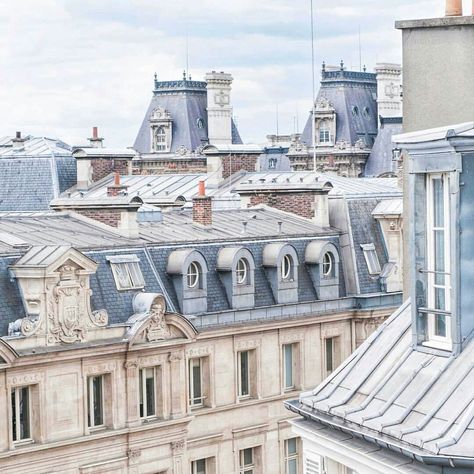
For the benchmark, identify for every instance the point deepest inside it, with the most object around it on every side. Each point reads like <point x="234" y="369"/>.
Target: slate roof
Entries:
<point x="35" y="173"/>
<point x="365" y="230"/>
<point x="418" y="402"/>
<point x="186" y="101"/>
<point x="348" y="92"/>
<point x="380" y="159"/>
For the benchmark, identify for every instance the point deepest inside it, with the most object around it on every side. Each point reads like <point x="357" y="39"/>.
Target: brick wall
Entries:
<point x="101" y="167"/>
<point x="301" y="204"/>
<point x="110" y="217"/>
<point x="202" y="210"/>
<point x="232" y="164"/>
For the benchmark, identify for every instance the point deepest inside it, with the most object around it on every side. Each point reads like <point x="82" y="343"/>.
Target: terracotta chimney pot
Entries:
<point x="95" y="132"/>
<point x="453" y="7"/>
<point x="202" y="188"/>
<point x="116" y="179"/>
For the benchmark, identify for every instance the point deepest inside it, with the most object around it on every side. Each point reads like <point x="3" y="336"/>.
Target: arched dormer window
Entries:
<point x="188" y="269"/>
<point x="322" y="261"/>
<point x="236" y="269"/>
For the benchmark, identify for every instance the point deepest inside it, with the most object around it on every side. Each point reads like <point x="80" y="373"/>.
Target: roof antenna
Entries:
<point x="314" y="88"/>
<point x="277" y="122"/>
<point x="187" y="45"/>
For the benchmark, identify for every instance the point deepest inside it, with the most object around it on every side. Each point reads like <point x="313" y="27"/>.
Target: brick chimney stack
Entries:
<point x="454" y="7"/>
<point x="116" y="188"/>
<point x="95" y="141"/>
<point x="202" y="207"/>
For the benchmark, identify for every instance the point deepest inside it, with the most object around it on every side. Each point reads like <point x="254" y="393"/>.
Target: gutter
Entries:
<point x="383" y="442"/>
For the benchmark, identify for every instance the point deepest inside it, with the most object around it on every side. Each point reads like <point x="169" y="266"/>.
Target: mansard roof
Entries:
<point x="186" y="102"/>
<point x="34" y="172"/>
<point x="353" y="95"/>
<point x="418" y="403"/>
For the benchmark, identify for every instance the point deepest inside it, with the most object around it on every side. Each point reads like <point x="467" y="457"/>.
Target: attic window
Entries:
<point x="200" y="122"/>
<point x="366" y="112"/>
<point x="127" y="272"/>
<point x="355" y="111"/>
<point x="371" y="259"/>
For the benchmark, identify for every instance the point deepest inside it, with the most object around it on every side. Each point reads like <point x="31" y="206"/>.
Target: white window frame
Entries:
<point x="194" y="466"/>
<point x="161" y="139"/>
<point x="248" y="375"/>
<point x="324" y="134"/>
<point x="142" y="395"/>
<point x="242" y="273"/>
<point x="329" y="370"/>
<point x="16" y="414"/>
<point x="287" y="269"/>
<point x="291" y="456"/>
<point x="90" y="401"/>
<point x="193" y="275"/>
<point x="371" y="259"/>
<point x="196" y="402"/>
<point x="247" y="468"/>
<point x="435" y="340"/>
<point x="127" y="273"/>
<point x="328" y="265"/>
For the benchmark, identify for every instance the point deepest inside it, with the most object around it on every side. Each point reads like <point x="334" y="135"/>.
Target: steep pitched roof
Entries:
<point x="353" y="96"/>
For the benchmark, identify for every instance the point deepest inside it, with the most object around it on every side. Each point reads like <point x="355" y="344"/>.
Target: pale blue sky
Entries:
<point x="66" y="65"/>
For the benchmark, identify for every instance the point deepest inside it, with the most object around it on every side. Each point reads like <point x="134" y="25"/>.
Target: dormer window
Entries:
<point x="193" y="275"/>
<point x="287" y="268"/>
<point x="126" y="271"/>
<point x="371" y="259"/>
<point x="438" y="257"/>
<point x="324" y="134"/>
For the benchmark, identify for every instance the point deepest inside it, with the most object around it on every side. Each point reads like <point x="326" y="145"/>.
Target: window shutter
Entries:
<point x="312" y="466"/>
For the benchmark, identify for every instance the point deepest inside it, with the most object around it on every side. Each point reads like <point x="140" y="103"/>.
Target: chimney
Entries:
<point x="116" y="188"/>
<point x="453" y="7"/>
<point x="18" y="141"/>
<point x="202" y="207"/>
<point x="95" y="141"/>
<point x="389" y="88"/>
<point x="219" y="109"/>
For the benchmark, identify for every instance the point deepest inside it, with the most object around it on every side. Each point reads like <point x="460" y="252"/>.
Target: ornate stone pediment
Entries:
<point x="56" y="296"/>
<point x="160" y="113"/>
<point x="151" y="323"/>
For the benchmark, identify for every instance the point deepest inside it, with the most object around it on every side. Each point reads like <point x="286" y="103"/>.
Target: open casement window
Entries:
<point x="193" y="276"/>
<point x="290" y="357"/>
<point x="148" y="401"/>
<point x="291" y="456"/>
<point x="95" y="401"/>
<point x="287" y="268"/>
<point x="246" y="374"/>
<point x="127" y="272"/>
<point x="198" y="382"/>
<point x="371" y="258"/>
<point x="332" y="354"/>
<point x="328" y="266"/>
<point x="438" y="262"/>
<point x="21" y="414"/>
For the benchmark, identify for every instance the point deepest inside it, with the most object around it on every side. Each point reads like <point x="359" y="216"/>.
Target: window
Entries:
<point x="332" y="354"/>
<point x="371" y="259"/>
<point x="21" y="413"/>
<point x="200" y="122"/>
<point x="289" y="366"/>
<point x="242" y="272"/>
<point x="199" y="467"/>
<point x="324" y="135"/>
<point x="193" y="276"/>
<point x="147" y="392"/>
<point x="161" y="139"/>
<point x="329" y="267"/>
<point x="272" y="163"/>
<point x="244" y="374"/>
<point x="287" y="268"/>
<point x="95" y="401"/>
<point x="247" y="461"/>
<point x="355" y="111"/>
<point x="438" y="259"/>
<point x="291" y="456"/>
<point x="126" y="271"/>
<point x="196" y="395"/>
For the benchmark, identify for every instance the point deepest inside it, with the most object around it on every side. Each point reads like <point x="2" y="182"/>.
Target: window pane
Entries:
<point x="14" y="420"/>
<point x="136" y="274"/>
<point x="244" y="373"/>
<point x="440" y="325"/>
<point x="329" y="355"/>
<point x="438" y="202"/>
<point x="288" y="361"/>
<point x="122" y="275"/>
<point x="195" y="382"/>
<point x="439" y="263"/>
<point x="199" y="466"/>
<point x="140" y="388"/>
<point x="97" y="400"/>
<point x="248" y="456"/>
<point x="150" y="392"/>
<point x="291" y="446"/>
<point x="24" y="412"/>
<point x="292" y="466"/>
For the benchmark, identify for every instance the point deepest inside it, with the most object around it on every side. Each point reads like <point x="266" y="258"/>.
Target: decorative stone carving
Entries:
<point x="160" y="113"/>
<point x="177" y="447"/>
<point x="133" y="455"/>
<point x="56" y="297"/>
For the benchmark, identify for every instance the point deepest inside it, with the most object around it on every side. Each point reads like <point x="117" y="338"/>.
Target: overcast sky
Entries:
<point x="66" y="65"/>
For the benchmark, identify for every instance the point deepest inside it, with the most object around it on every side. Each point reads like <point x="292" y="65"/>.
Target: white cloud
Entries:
<point x="66" y="65"/>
